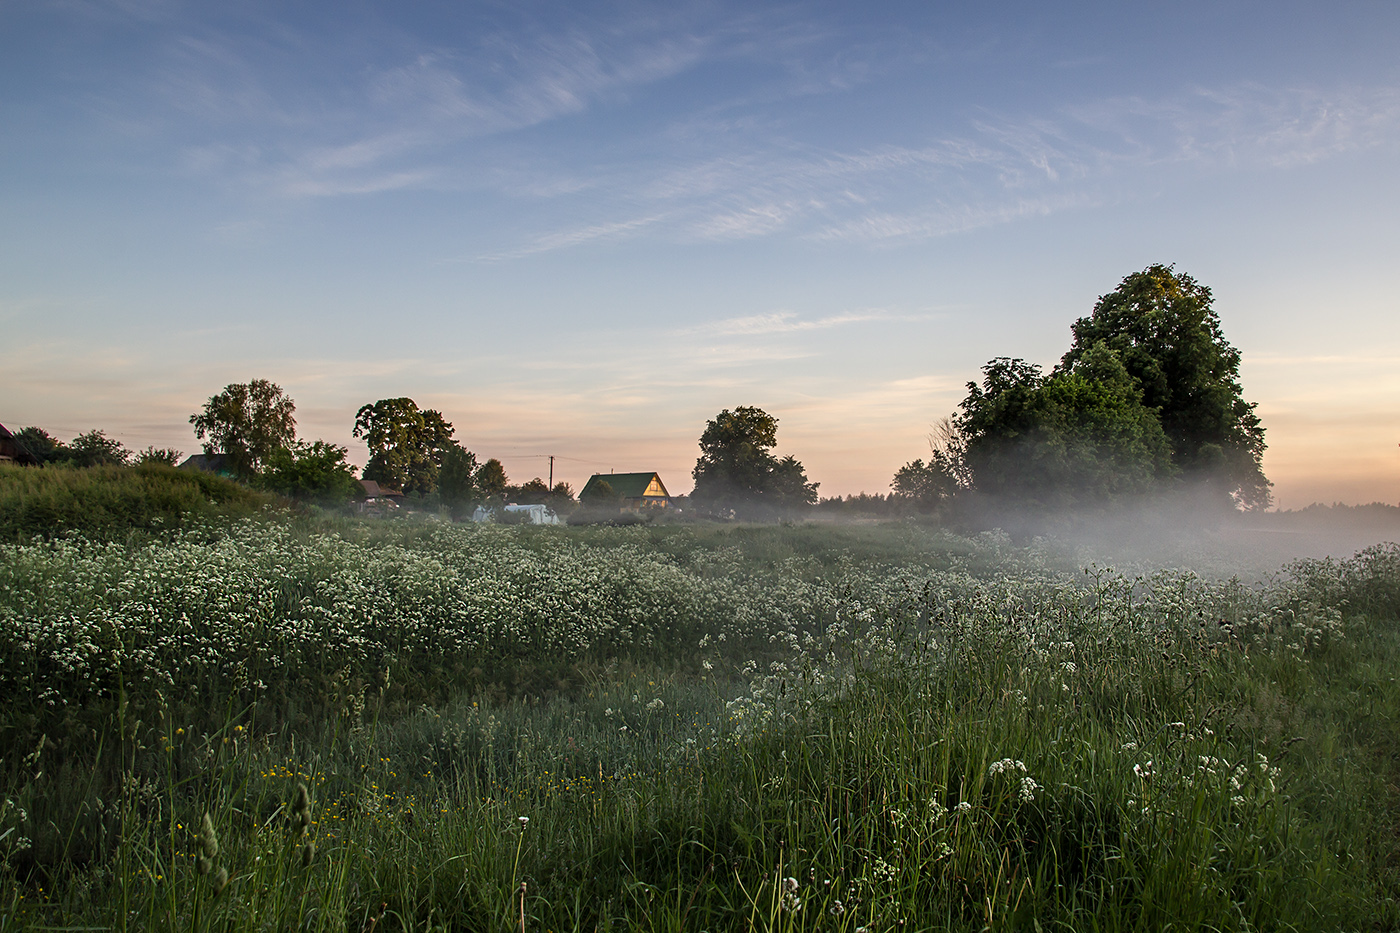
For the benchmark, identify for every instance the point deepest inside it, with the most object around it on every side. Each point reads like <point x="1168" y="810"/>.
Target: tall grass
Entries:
<point x="114" y="501"/>
<point x="878" y="745"/>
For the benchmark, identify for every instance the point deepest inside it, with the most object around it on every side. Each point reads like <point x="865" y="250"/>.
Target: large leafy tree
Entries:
<point x="95" y="448"/>
<point x="1080" y="436"/>
<point x="924" y="485"/>
<point x="45" y="447"/>
<point x="491" y="480"/>
<point x="310" y="471"/>
<point x="457" y="478"/>
<point x="737" y="469"/>
<point x="246" y="422"/>
<point x="406" y="444"/>
<point x="1163" y="328"/>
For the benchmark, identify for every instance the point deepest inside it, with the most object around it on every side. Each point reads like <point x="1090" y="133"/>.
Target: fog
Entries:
<point x="1188" y="531"/>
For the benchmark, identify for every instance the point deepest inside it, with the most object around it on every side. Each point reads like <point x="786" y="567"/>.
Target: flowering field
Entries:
<point x="424" y="727"/>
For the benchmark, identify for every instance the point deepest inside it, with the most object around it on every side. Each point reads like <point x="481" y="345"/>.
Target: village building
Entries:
<point x="635" y="490"/>
<point x="377" y="493"/>
<point x="218" y="464"/>
<point x="12" y="451"/>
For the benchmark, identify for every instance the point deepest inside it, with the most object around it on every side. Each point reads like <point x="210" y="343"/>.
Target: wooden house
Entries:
<point x="12" y="451"/>
<point x="635" y="490"/>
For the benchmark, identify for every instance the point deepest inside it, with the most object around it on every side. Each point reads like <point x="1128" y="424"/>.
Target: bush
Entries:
<point x="112" y="501"/>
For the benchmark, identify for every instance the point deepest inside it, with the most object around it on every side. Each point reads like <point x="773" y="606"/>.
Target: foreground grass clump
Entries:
<point x="796" y="741"/>
<point x="115" y="501"/>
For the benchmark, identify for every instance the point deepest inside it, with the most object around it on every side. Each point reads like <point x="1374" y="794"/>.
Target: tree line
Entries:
<point x="1146" y="400"/>
<point x="412" y="450"/>
<point x="89" y="449"/>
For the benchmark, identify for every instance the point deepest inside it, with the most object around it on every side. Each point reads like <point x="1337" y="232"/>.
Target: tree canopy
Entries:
<point x="491" y="480"/>
<point x="737" y="469"/>
<point x="457" y="478"/>
<point x="1147" y="395"/>
<point x="246" y="422"/>
<point x="406" y="444"/>
<point x="310" y="471"/>
<point x="1169" y="339"/>
<point x="1072" y="438"/>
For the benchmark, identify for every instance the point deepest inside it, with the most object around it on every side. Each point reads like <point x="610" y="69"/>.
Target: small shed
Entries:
<point x="12" y="451"/>
<point x="374" y="491"/>
<point x="636" y="490"/>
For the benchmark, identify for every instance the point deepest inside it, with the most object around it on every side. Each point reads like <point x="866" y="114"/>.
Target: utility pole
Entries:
<point x="551" y="471"/>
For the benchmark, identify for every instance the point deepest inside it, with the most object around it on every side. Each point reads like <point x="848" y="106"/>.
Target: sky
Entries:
<point x="583" y="229"/>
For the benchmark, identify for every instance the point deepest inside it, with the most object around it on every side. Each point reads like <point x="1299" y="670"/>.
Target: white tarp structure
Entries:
<point x="528" y="514"/>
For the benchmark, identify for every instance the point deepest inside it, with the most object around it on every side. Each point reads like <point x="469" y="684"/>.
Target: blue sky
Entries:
<point x="583" y="229"/>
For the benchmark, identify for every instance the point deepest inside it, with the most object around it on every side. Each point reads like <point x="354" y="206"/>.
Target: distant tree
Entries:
<point x="1074" y="438"/>
<point x="311" y="472"/>
<point x="166" y="455"/>
<point x="924" y="485"/>
<point x="46" y="449"/>
<point x="97" y="449"/>
<point x="561" y="498"/>
<point x="737" y="469"/>
<point x="457" y="479"/>
<point x="600" y="495"/>
<point x="406" y="444"/>
<point x="492" y="481"/>
<point x="535" y="492"/>
<point x="788" y="487"/>
<point x="1169" y="340"/>
<point x="246" y="422"/>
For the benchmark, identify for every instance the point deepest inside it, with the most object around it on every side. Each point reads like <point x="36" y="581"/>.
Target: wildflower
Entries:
<point x="1006" y="764"/>
<point x="523" y="821"/>
<point x="1028" y="788"/>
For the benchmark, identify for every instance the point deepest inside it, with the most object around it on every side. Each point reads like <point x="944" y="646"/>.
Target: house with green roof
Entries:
<point x="636" y="490"/>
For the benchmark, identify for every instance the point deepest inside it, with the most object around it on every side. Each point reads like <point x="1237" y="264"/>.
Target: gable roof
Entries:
<point x="208" y="463"/>
<point x="375" y="491"/>
<point x="628" y="485"/>
<point x="13" y="450"/>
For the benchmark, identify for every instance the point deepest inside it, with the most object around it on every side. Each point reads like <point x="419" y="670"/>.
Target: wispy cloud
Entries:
<point x="566" y="238"/>
<point x="1001" y="168"/>
<point x="784" y="322"/>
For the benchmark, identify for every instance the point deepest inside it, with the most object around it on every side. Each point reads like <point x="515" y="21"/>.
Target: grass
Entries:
<point x="115" y="501"/>
<point x="892" y="735"/>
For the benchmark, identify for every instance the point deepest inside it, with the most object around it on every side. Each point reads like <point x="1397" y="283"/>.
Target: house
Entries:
<point x="217" y="464"/>
<point x="12" y="451"/>
<point x="375" y="491"/>
<point x="636" y="490"/>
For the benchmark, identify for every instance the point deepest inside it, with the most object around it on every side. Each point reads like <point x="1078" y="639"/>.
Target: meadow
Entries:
<point x="273" y="722"/>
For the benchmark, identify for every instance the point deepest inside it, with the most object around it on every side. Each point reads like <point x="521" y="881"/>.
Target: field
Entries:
<point x="275" y="722"/>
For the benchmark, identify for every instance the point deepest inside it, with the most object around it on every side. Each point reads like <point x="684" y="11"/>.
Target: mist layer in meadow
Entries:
<point x="1186" y="531"/>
